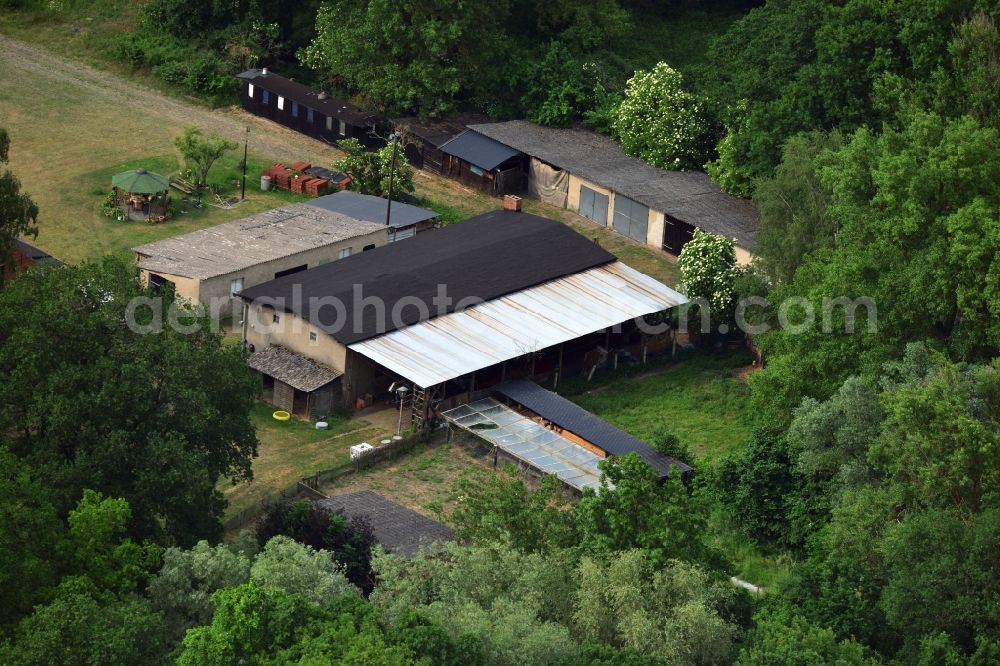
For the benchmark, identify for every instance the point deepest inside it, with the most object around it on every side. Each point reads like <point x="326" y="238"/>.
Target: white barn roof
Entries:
<point x="452" y="345"/>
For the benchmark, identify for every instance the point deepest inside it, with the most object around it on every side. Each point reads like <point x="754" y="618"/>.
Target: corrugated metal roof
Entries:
<point x="519" y="436"/>
<point x="529" y="320"/>
<point x="565" y="414"/>
<point x="480" y="150"/>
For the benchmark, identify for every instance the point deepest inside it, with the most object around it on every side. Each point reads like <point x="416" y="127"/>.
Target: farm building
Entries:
<point x="404" y="220"/>
<point x="550" y="434"/>
<point x="451" y="312"/>
<point x="590" y="174"/>
<point x="24" y="255"/>
<point x="210" y="266"/>
<point x="303" y="109"/>
<point x="398" y="529"/>
<point x="422" y="140"/>
<point x="478" y="161"/>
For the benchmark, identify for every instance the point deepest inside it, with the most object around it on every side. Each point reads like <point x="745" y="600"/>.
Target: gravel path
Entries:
<point x="266" y="137"/>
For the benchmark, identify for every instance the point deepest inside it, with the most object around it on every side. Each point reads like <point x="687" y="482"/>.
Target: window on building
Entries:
<point x="631" y="218"/>
<point x="250" y="90"/>
<point x="329" y="124"/>
<point x="281" y="103"/>
<point x="236" y="286"/>
<point x="295" y="109"/>
<point x="343" y="128"/>
<point x="309" y="115"/>
<point x="275" y="318"/>
<point x="346" y="252"/>
<point x="312" y="336"/>
<point x="265" y="97"/>
<point x="368" y="247"/>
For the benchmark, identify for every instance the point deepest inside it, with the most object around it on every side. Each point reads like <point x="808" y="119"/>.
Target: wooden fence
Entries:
<point x="309" y="486"/>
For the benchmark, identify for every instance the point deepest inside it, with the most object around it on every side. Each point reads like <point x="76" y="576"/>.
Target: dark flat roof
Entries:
<point x="38" y="255"/>
<point x="303" y="94"/>
<point x="440" y="131"/>
<point x="480" y="150"/>
<point x="688" y="196"/>
<point x="579" y="421"/>
<point x="485" y="257"/>
<point x="399" y="529"/>
<point x="372" y="209"/>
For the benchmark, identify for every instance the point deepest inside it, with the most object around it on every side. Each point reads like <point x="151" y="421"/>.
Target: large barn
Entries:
<point x="590" y="173"/>
<point x="529" y="298"/>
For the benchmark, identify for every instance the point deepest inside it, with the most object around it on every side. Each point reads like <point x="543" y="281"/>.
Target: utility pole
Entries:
<point x="394" y="137"/>
<point x="246" y="142"/>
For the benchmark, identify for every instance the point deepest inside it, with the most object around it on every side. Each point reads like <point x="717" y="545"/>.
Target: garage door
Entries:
<point x="631" y="218"/>
<point x="593" y="205"/>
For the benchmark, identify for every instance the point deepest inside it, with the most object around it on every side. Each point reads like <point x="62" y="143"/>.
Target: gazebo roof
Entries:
<point x="140" y="181"/>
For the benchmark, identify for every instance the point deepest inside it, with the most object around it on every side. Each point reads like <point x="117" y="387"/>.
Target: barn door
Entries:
<point x="593" y="206"/>
<point x="675" y="235"/>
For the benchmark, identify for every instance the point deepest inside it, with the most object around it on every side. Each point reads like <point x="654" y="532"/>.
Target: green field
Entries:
<point x="700" y="399"/>
<point x="292" y="449"/>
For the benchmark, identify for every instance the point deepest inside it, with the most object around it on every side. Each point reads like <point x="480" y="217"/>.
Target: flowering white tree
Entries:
<point x="708" y="270"/>
<point x="660" y="122"/>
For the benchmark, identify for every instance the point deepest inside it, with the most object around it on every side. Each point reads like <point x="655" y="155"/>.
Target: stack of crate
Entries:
<point x="299" y="183"/>
<point x="317" y="186"/>
<point x="280" y="176"/>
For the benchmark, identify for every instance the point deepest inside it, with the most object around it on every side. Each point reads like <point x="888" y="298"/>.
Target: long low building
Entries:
<point x="591" y="174"/>
<point x="207" y="267"/>
<point x="501" y="296"/>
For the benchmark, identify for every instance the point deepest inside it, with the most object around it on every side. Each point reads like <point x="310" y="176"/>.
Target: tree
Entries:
<point x="183" y="589"/>
<point x="406" y="56"/>
<point x="636" y="509"/>
<point x="154" y="415"/>
<point x="299" y="569"/>
<point x="18" y="213"/>
<point x="517" y="606"/>
<point x="784" y="638"/>
<point x="793" y="205"/>
<point x="29" y="532"/>
<point x="916" y="258"/>
<point x="708" y="271"/>
<point x="349" y="541"/>
<point x="495" y="509"/>
<point x="268" y="625"/>
<point x="661" y="123"/>
<point x="676" y="612"/>
<point x="104" y="563"/>
<point x="201" y="152"/>
<point x="76" y="629"/>
<point x="369" y="171"/>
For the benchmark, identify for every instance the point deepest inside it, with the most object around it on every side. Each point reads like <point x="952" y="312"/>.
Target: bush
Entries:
<point x="350" y="541"/>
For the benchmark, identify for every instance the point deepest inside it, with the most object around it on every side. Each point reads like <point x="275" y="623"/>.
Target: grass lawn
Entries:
<point x="699" y="399"/>
<point x="424" y="479"/>
<point x="292" y="449"/>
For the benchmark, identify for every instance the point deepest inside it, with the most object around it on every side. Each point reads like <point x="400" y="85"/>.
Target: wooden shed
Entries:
<point x="309" y="111"/>
<point x="481" y="162"/>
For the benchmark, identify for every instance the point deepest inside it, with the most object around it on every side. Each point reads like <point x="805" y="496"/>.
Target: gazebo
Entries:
<point x="141" y="194"/>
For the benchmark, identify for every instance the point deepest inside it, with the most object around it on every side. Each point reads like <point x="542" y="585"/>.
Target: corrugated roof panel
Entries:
<point x="528" y="441"/>
<point x="557" y="311"/>
<point x="480" y="150"/>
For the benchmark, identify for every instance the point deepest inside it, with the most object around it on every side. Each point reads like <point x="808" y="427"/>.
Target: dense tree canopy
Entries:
<point x="89" y="400"/>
